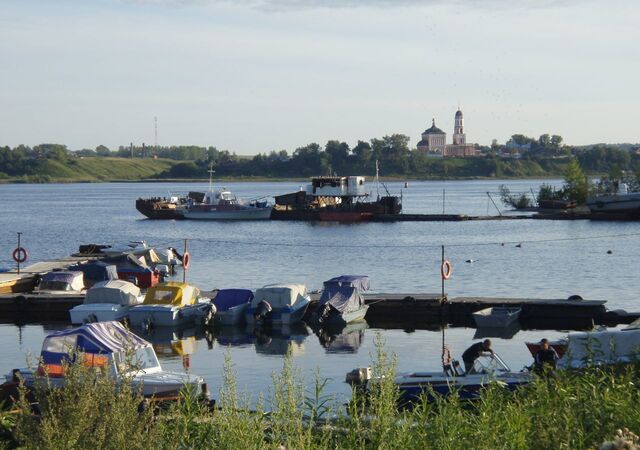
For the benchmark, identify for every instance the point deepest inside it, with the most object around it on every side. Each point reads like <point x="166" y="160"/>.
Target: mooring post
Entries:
<point x="19" y="242"/>
<point x="442" y="301"/>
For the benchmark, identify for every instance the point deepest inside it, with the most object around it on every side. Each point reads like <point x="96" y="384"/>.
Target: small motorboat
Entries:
<point x="497" y="316"/>
<point x="170" y="304"/>
<point x="559" y="345"/>
<point x="414" y="386"/>
<point x="230" y="305"/>
<point x="278" y="304"/>
<point x="107" y="301"/>
<point x="113" y="348"/>
<point x="61" y="283"/>
<point x="600" y="348"/>
<point x="341" y="301"/>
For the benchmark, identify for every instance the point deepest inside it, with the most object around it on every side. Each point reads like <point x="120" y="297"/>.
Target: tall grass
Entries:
<point x="569" y="411"/>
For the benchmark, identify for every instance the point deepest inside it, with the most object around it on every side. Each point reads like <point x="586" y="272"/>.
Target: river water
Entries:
<point x="555" y="259"/>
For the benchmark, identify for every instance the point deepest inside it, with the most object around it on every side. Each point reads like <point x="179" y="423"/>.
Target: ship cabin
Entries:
<point x="337" y="187"/>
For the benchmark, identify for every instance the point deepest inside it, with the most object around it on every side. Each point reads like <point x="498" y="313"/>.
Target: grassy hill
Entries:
<point x="95" y="169"/>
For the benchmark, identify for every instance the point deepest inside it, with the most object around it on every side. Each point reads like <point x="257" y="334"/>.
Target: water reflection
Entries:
<point x="507" y="332"/>
<point x="278" y="341"/>
<point x="343" y="339"/>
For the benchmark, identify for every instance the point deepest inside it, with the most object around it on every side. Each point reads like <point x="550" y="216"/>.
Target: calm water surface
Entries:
<point x="556" y="259"/>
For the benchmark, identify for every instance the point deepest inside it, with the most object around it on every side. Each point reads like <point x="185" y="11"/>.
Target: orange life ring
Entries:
<point x="446" y="270"/>
<point x="20" y="255"/>
<point x="186" y="259"/>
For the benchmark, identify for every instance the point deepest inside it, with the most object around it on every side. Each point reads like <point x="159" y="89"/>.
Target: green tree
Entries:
<point x="102" y="150"/>
<point x="576" y="184"/>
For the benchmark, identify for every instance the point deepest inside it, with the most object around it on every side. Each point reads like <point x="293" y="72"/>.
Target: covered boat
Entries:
<point x="342" y="301"/>
<point x="169" y="304"/>
<point x="496" y="317"/>
<point x="278" y="304"/>
<point x="110" y="346"/>
<point x="107" y="301"/>
<point x="600" y="348"/>
<point x="61" y="282"/>
<point x="95" y="272"/>
<point x="230" y="305"/>
<point x="451" y="380"/>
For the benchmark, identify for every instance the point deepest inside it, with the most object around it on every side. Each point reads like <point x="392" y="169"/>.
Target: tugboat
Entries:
<point x="335" y="199"/>
<point x="167" y="208"/>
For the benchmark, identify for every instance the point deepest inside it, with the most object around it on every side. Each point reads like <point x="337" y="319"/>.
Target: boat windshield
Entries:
<point x="142" y="359"/>
<point x="55" y="286"/>
<point x="487" y="364"/>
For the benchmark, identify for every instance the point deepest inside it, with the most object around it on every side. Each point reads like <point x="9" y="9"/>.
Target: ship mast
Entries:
<point x="211" y="172"/>
<point x="377" y="181"/>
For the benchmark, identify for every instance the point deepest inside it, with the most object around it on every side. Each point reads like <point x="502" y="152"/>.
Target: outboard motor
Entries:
<point x="263" y="311"/>
<point x="324" y="313"/>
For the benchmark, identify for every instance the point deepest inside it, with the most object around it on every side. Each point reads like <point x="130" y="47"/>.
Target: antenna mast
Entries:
<point x="377" y="180"/>
<point x="211" y="172"/>
<point x="155" y="120"/>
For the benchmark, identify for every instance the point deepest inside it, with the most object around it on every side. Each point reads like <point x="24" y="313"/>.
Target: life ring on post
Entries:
<point x="186" y="260"/>
<point x="20" y="255"/>
<point x="446" y="270"/>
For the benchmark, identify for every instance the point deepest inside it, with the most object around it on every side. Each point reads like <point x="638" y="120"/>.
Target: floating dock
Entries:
<point x="25" y="281"/>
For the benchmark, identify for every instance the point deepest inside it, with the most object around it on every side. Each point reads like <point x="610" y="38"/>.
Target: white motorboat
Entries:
<point x="61" y="283"/>
<point x="601" y="348"/>
<point x="111" y="347"/>
<point x="496" y="317"/>
<point x="621" y="203"/>
<point x="223" y="205"/>
<point x="170" y="304"/>
<point x="107" y="301"/>
<point x="452" y="379"/>
<point x="278" y="304"/>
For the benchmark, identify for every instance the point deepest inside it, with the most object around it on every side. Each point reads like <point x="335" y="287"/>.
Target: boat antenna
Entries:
<point x="211" y="172"/>
<point x="377" y="180"/>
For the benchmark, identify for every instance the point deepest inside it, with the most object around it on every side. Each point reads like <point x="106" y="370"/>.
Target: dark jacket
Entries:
<point x="472" y="353"/>
<point x="547" y="357"/>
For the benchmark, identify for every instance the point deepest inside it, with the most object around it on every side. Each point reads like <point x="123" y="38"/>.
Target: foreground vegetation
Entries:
<point x="570" y="411"/>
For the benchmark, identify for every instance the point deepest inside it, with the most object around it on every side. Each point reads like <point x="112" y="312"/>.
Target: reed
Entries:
<point x="572" y="410"/>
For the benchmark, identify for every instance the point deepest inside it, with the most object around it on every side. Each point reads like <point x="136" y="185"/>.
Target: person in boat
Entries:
<point x="474" y="352"/>
<point x="546" y="358"/>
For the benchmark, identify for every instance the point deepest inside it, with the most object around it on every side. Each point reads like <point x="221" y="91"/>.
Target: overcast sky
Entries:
<point x="253" y="76"/>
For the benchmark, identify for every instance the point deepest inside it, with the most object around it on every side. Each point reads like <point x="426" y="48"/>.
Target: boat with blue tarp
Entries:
<point x="230" y="305"/>
<point x="342" y="301"/>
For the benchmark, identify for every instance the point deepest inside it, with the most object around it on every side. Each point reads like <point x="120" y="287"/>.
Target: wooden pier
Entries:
<point x="12" y="281"/>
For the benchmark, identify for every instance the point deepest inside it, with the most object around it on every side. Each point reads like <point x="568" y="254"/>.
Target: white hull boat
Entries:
<point x="278" y="304"/>
<point x="616" y="203"/>
<point x="110" y="347"/>
<point x="107" y="301"/>
<point x="496" y="317"/>
<point x="248" y="213"/>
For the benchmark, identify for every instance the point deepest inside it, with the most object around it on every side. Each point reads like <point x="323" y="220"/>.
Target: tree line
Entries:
<point x="546" y="155"/>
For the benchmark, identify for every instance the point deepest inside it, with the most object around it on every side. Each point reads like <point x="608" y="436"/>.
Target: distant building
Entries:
<point x="434" y="140"/>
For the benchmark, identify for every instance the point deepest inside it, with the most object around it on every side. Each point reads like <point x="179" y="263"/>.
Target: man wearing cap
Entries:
<point x="474" y="352"/>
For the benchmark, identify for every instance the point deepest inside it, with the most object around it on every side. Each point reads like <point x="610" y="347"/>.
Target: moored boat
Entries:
<point x="278" y="304"/>
<point x="169" y="304"/>
<point x="107" y="301"/>
<point x="496" y="317"/>
<point x="61" y="283"/>
<point x="110" y="347"/>
<point x="230" y="305"/>
<point x="341" y="301"/>
<point x="622" y="202"/>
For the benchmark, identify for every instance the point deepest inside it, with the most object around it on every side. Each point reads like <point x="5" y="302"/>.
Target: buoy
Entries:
<point x="609" y="252"/>
<point x="406" y="184"/>
<point x="470" y="260"/>
<point x="518" y="245"/>
<point x="446" y="270"/>
<point x="20" y="255"/>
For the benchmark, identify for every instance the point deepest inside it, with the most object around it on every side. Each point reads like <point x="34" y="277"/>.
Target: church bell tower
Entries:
<point x="459" y="138"/>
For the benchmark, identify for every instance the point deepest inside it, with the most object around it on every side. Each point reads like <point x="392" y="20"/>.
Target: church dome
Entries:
<point x="434" y="129"/>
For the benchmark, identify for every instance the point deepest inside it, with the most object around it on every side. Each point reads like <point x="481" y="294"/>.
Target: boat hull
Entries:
<point x="165" y="316"/>
<point x="231" y="214"/>
<point x="101" y="312"/>
<point x="335" y="320"/>
<point x="627" y="204"/>
<point x="281" y="316"/>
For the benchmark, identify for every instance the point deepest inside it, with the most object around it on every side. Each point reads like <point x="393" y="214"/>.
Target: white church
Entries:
<point x="434" y="140"/>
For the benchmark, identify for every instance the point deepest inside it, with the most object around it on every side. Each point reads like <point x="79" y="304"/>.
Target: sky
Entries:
<point x="254" y="76"/>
